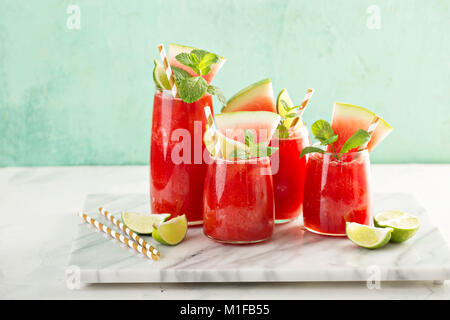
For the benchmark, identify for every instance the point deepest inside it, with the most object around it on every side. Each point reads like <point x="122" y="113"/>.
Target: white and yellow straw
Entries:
<point x="168" y="70"/>
<point x="212" y="127"/>
<point x="130" y="233"/>
<point x="305" y="102"/>
<point x="118" y="236"/>
<point x="303" y="106"/>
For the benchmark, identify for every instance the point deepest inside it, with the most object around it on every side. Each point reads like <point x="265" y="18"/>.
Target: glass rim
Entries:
<point x="304" y="127"/>
<point x="328" y="153"/>
<point x="169" y="93"/>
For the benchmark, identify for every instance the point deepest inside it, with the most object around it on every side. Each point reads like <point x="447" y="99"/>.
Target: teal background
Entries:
<point x="84" y="97"/>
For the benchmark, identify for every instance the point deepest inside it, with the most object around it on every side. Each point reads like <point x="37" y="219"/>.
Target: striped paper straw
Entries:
<point x="212" y="126"/>
<point x="168" y="69"/>
<point x="303" y="106"/>
<point x="130" y="233"/>
<point x="372" y="127"/>
<point x="118" y="236"/>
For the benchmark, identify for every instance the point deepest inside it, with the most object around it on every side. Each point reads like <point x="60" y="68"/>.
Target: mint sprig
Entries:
<point x="192" y="88"/>
<point x="254" y="149"/>
<point x="323" y="132"/>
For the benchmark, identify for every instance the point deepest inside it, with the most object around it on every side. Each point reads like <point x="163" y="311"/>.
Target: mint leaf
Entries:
<point x="249" y="138"/>
<point x="322" y="131"/>
<point x="331" y="140"/>
<point x="282" y="131"/>
<point x="310" y="149"/>
<point x="184" y="58"/>
<point x="216" y="91"/>
<point x="191" y="89"/>
<point x="239" y="153"/>
<point x="199" y="53"/>
<point x="198" y="60"/>
<point x="205" y="63"/>
<point x="359" y="138"/>
<point x="180" y="74"/>
<point x="291" y="115"/>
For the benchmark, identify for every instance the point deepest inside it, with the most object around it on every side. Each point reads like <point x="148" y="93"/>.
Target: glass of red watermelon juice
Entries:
<point x="238" y="204"/>
<point x="337" y="191"/>
<point x="289" y="174"/>
<point x="177" y="171"/>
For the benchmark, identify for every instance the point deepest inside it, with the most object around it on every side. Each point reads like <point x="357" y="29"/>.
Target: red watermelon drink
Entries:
<point x="337" y="191"/>
<point x="238" y="203"/>
<point x="337" y="183"/>
<point x="177" y="163"/>
<point x="289" y="179"/>
<point x="176" y="179"/>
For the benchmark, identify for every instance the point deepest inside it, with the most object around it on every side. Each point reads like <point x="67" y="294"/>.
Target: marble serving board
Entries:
<point x="292" y="254"/>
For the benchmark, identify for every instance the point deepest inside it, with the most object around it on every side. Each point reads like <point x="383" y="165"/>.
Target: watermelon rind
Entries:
<point x="247" y="98"/>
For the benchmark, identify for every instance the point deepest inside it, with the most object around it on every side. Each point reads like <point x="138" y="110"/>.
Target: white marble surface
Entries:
<point x="38" y="224"/>
<point x="291" y="254"/>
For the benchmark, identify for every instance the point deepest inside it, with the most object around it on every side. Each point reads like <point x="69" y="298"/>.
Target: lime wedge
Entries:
<point x="283" y="102"/>
<point x="225" y="146"/>
<point x="160" y="77"/>
<point x="171" y="232"/>
<point x="142" y="224"/>
<point x="367" y="237"/>
<point x="404" y="225"/>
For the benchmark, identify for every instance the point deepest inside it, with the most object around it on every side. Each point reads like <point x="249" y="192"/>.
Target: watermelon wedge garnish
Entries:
<point x="256" y="97"/>
<point x="175" y="49"/>
<point x="348" y="118"/>
<point x="262" y="123"/>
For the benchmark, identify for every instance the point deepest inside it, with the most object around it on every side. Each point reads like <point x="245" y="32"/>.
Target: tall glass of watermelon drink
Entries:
<point x="289" y="178"/>
<point x="177" y="163"/>
<point x="238" y="204"/>
<point x="176" y="176"/>
<point x="337" y="191"/>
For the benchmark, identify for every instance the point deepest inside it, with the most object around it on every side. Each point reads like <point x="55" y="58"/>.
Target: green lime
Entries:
<point x="142" y="224"/>
<point x="171" y="232"/>
<point x="366" y="236"/>
<point x="404" y="224"/>
<point x="283" y="102"/>
<point x="160" y="77"/>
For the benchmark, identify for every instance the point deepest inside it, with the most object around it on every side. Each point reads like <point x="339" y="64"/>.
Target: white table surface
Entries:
<point x="38" y="220"/>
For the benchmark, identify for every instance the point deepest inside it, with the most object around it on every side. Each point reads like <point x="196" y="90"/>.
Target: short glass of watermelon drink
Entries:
<point x="238" y="204"/>
<point x="337" y="191"/>
<point x="289" y="172"/>
<point x="177" y="166"/>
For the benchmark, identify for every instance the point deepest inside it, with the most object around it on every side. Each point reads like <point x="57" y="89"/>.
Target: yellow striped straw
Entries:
<point x="212" y="126"/>
<point x="303" y="106"/>
<point x="168" y="69"/>
<point x="130" y="233"/>
<point x="118" y="236"/>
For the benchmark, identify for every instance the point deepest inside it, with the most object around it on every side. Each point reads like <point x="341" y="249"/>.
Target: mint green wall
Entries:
<point x="82" y="97"/>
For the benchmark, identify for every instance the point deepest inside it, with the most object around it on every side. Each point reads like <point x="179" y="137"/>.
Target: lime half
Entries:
<point x="404" y="225"/>
<point x="367" y="237"/>
<point x="283" y="102"/>
<point x="142" y="224"/>
<point x="160" y="77"/>
<point x="171" y="232"/>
